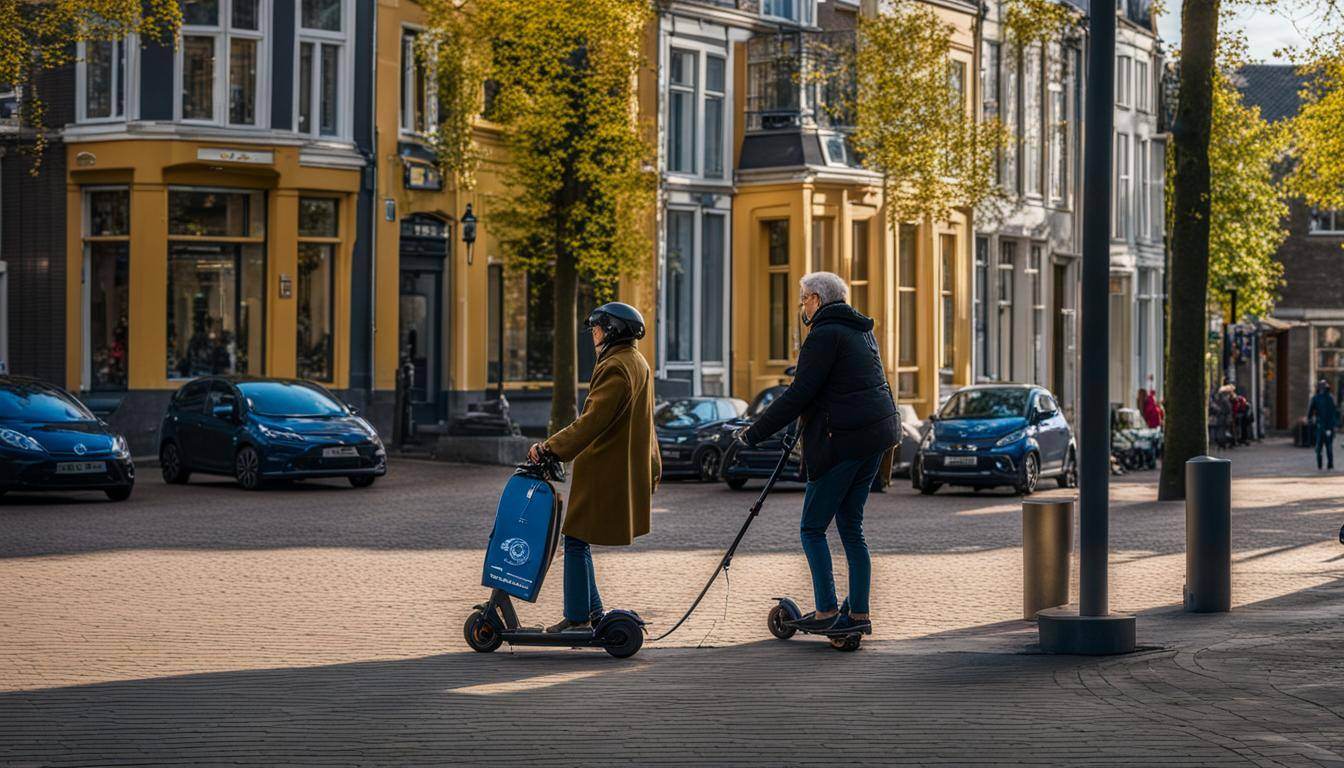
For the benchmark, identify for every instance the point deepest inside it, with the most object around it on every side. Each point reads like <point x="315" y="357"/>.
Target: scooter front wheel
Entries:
<point x="776" y="623"/>
<point x="480" y="633"/>
<point x="622" y="638"/>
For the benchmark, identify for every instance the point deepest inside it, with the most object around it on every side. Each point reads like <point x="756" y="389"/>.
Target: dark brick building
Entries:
<point x="1305" y="337"/>
<point x="32" y="236"/>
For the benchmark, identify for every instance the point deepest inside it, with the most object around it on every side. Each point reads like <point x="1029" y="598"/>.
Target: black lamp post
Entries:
<point x="469" y="232"/>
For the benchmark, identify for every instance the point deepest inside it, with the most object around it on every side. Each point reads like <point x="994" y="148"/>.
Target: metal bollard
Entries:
<point x="1047" y="543"/>
<point x="1208" y="535"/>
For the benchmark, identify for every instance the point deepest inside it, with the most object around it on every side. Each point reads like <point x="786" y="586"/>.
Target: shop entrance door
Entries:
<point x="424" y="247"/>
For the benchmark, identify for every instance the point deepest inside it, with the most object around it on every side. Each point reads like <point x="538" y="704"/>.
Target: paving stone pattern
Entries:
<point x="317" y="624"/>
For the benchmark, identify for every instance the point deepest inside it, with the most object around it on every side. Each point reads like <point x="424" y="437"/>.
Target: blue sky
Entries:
<point x="1265" y="30"/>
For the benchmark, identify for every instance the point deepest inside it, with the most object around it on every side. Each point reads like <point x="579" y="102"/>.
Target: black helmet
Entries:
<point x="618" y="321"/>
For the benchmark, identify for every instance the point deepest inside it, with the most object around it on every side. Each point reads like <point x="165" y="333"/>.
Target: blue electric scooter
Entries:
<point x="522" y="544"/>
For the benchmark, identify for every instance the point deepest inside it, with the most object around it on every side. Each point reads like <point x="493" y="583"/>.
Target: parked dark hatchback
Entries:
<point x="50" y="442"/>
<point x="690" y="438"/>
<point x="1001" y="434"/>
<point x="256" y="429"/>
<point x="744" y="462"/>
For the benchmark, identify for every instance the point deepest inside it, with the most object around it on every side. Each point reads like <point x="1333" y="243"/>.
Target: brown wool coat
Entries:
<point x="614" y="450"/>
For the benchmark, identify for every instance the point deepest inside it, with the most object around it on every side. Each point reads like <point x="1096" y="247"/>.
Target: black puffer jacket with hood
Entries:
<point x="839" y="390"/>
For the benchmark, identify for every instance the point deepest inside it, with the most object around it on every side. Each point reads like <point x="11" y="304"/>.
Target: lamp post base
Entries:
<point x="1062" y="630"/>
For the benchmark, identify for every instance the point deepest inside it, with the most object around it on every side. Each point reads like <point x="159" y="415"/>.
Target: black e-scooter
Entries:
<point x="785" y="610"/>
<point x="494" y="622"/>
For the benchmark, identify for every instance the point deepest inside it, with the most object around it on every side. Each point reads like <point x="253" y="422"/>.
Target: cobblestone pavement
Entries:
<point x="319" y="624"/>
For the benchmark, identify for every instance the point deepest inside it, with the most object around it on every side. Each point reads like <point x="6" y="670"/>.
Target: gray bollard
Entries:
<point x="1047" y="542"/>
<point x="1208" y="535"/>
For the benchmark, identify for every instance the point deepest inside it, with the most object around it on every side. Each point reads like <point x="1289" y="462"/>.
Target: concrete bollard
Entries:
<point x="1047" y="542"/>
<point x="1208" y="535"/>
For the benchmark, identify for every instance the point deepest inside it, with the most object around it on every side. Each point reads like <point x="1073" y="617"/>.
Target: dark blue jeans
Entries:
<point x="1325" y="438"/>
<point x="581" y="598"/>
<point x="839" y="495"/>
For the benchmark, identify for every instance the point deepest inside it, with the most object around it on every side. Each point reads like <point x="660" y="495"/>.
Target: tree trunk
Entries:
<point x="564" y="349"/>
<point x="1186" y="431"/>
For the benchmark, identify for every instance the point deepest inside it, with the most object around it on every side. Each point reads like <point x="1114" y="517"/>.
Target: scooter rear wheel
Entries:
<point x="776" y="623"/>
<point x="846" y="643"/>
<point x="480" y="633"/>
<point x="622" y="638"/>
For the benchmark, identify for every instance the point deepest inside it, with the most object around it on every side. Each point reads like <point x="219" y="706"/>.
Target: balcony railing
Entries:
<point x="799" y="79"/>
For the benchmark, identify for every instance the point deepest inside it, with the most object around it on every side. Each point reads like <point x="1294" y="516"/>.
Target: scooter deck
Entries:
<point x="835" y="632"/>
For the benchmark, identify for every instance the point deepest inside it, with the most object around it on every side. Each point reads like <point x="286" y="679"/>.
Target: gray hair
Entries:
<point x="828" y="286"/>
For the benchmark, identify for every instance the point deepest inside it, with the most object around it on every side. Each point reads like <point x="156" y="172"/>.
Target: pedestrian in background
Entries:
<point x="1324" y="414"/>
<point x="849" y="420"/>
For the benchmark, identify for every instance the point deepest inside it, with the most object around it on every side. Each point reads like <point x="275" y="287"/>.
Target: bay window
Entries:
<point x="323" y="30"/>
<point x="1032" y="119"/>
<point x="221" y="61"/>
<point x="694" y="280"/>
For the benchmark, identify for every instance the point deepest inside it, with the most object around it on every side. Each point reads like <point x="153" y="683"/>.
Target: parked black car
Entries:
<point x="257" y="429"/>
<point x="742" y="462"/>
<point x="50" y="442"/>
<point x="690" y="438"/>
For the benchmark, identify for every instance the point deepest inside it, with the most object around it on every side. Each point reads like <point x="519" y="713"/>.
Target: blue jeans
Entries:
<point x="581" y="598"/>
<point x="840" y="495"/>
<point x="1325" y="438"/>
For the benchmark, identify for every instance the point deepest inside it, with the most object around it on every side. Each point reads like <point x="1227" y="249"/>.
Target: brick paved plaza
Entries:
<point x="317" y="624"/>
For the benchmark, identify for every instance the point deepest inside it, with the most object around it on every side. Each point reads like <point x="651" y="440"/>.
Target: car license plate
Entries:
<point x="340" y="452"/>
<point x="80" y="467"/>
<point x="959" y="461"/>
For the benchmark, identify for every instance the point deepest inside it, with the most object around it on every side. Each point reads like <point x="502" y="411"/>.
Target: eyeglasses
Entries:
<point x="804" y="299"/>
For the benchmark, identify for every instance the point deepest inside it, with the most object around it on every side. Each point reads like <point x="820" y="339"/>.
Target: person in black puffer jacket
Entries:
<point x="849" y="419"/>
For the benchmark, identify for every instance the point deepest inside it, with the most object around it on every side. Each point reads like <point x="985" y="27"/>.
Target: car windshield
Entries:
<point x="986" y="404"/>
<point x="288" y="398"/>
<point x="680" y="414"/>
<point x="39" y="403"/>
<point x="763" y="401"/>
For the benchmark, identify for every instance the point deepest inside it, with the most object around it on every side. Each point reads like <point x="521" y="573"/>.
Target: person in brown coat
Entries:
<point x="615" y="455"/>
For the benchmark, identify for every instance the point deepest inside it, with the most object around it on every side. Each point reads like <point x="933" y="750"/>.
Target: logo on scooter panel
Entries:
<point x="516" y="551"/>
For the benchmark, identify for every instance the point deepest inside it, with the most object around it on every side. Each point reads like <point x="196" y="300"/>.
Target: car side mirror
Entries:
<point x="222" y="412"/>
<point x="933" y="417"/>
<point x="354" y="409"/>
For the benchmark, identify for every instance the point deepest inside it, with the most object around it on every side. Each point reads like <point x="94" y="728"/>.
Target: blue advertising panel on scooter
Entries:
<point x="527" y="525"/>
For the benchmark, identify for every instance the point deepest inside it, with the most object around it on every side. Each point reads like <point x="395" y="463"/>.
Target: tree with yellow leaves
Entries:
<point x="1318" y="130"/>
<point x="579" y="179"/>
<point x="38" y="36"/>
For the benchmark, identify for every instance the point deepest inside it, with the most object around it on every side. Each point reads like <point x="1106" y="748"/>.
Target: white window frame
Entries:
<point x="1124" y="66"/>
<point x="131" y="47"/>
<point x="408" y="64"/>
<point x="1122" y="205"/>
<point x="696" y="364"/>
<point x="702" y="53"/>
<point x="1336" y="227"/>
<point x="1033" y="120"/>
<point x="1142" y="86"/>
<point x="345" y="88"/>
<point x="804" y="11"/>
<point x="1143" y="228"/>
<point x="221" y="33"/>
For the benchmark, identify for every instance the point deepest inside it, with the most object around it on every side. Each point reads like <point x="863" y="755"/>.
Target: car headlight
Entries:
<point x="120" y="450"/>
<point x="20" y="441"/>
<point x="1011" y="437"/>
<point x="281" y="434"/>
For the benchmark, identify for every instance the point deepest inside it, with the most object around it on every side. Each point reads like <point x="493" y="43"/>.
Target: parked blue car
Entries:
<point x="994" y="435"/>
<point x="257" y="429"/>
<point x="50" y="442"/>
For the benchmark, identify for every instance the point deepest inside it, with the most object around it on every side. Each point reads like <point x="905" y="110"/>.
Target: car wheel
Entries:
<point x="921" y="483"/>
<point x="247" y="468"/>
<point x="1028" y="475"/>
<point x="737" y="483"/>
<point x="362" y="481"/>
<point x="118" y="494"/>
<point x="170" y="464"/>
<point x="1069" y="477"/>
<point x="708" y="465"/>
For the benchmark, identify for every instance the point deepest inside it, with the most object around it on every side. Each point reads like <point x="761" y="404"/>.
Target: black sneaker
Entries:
<point x="846" y="624"/>
<point x="810" y="623"/>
